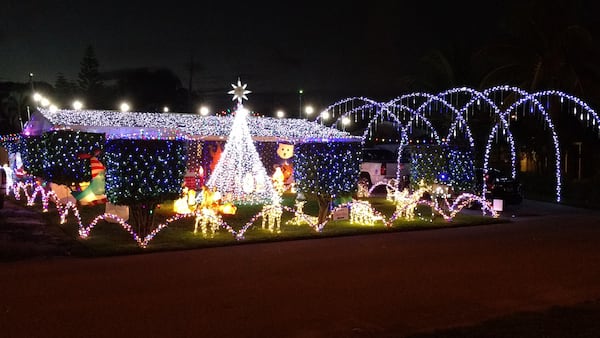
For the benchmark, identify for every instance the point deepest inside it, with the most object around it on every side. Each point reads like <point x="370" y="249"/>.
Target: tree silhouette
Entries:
<point x="63" y="89"/>
<point x="89" y="76"/>
<point x="149" y="89"/>
<point x="11" y="117"/>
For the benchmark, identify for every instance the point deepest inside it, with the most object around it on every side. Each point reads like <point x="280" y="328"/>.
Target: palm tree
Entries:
<point x="546" y="47"/>
<point x="442" y="68"/>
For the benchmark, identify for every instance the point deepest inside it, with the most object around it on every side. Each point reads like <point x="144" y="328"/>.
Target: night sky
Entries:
<point x="361" y="48"/>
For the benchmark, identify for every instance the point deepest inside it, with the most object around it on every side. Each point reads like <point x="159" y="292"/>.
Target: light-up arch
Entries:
<point x="419" y="114"/>
<point x="587" y="113"/>
<point x="356" y="104"/>
<point x="382" y="112"/>
<point x="419" y="111"/>
<point x="486" y="157"/>
<point x="414" y="107"/>
<point x="550" y="125"/>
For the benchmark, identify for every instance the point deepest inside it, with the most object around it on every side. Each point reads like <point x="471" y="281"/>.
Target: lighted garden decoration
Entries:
<point x="239" y="175"/>
<point x="94" y="192"/>
<point x="362" y="212"/>
<point x="211" y="223"/>
<point x="413" y="112"/>
<point x="300" y="218"/>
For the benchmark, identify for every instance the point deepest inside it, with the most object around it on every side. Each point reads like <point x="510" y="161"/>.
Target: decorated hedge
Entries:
<point x="140" y="171"/>
<point x="56" y="155"/>
<point x="327" y="170"/>
<point x="142" y="174"/>
<point x="33" y="152"/>
<point x="442" y="164"/>
<point x="67" y="155"/>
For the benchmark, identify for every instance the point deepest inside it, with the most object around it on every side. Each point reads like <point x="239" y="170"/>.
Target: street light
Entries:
<point x="165" y="109"/>
<point x="325" y="115"/>
<point x="309" y="110"/>
<point x="77" y="105"/>
<point x="280" y="114"/>
<point x="345" y="121"/>
<point x="124" y="107"/>
<point x="32" y="93"/>
<point x="52" y="108"/>
<point x="37" y="97"/>
<point x="44" y="102"/>
<point x="203" y="111"/>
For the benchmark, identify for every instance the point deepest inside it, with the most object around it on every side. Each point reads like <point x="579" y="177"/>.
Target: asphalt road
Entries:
<point x="383" y="285"/>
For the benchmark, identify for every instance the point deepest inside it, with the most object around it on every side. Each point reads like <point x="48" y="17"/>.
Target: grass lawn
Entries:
<point x="111" y="239"/>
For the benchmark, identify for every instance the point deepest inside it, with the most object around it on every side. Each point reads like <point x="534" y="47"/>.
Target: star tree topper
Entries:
<point x="239" y="92"/>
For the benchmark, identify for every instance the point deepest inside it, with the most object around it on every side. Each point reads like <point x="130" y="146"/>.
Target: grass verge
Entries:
<point x="108" y="239"/>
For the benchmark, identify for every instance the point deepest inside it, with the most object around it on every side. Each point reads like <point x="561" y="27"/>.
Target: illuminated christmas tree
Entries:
<point x="239" y="175"/>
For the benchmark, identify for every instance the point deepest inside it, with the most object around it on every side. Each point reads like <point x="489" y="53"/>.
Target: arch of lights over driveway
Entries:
<point x="460" y="105"/>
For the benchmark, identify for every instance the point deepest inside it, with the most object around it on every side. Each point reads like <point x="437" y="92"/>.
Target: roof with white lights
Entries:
<point x="116" y="124"/>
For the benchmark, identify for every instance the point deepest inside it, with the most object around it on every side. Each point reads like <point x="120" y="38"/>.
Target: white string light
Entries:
<point x="33" y="191"/>
<point x="177" y="125"/>
<point x="408" y="109"/>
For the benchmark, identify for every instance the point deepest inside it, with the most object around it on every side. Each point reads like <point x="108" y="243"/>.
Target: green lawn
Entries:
<point x="111" y="239"/>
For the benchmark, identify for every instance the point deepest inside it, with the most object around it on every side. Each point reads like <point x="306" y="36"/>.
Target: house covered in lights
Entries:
<point x="274" y="138"/>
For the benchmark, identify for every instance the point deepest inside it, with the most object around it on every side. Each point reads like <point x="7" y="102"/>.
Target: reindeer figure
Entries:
<point x="209" y="222"/>
<point x="271" y="215"/>
<point x="300" y="217"/>
<point x="362" y="212"/>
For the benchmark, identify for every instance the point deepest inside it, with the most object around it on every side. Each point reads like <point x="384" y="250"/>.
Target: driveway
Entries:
<point x="23" y="235"/>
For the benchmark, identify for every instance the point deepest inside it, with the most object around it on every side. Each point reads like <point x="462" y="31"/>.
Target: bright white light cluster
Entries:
<point x="240" y="176"/>
<point x="148" y="125"/>
<point x="208" y="220"/>
<point x="271" y="217"/>
<point x="363" y="213"/>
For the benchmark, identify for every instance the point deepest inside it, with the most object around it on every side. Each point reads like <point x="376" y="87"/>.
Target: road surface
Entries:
<point x="381" y="285"/>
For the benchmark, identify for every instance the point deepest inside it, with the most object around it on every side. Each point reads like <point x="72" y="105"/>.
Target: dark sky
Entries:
<point x="360" y="47"/>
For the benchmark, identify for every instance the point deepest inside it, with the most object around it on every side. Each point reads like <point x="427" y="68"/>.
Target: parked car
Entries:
<point x="499" y="186"/>
<point x="380" y="165"/>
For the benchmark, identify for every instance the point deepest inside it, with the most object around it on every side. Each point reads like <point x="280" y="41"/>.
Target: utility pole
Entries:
<point x="30" y="98"/>
<point x="31" y="83"/>
<point x="300" y="92"/>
